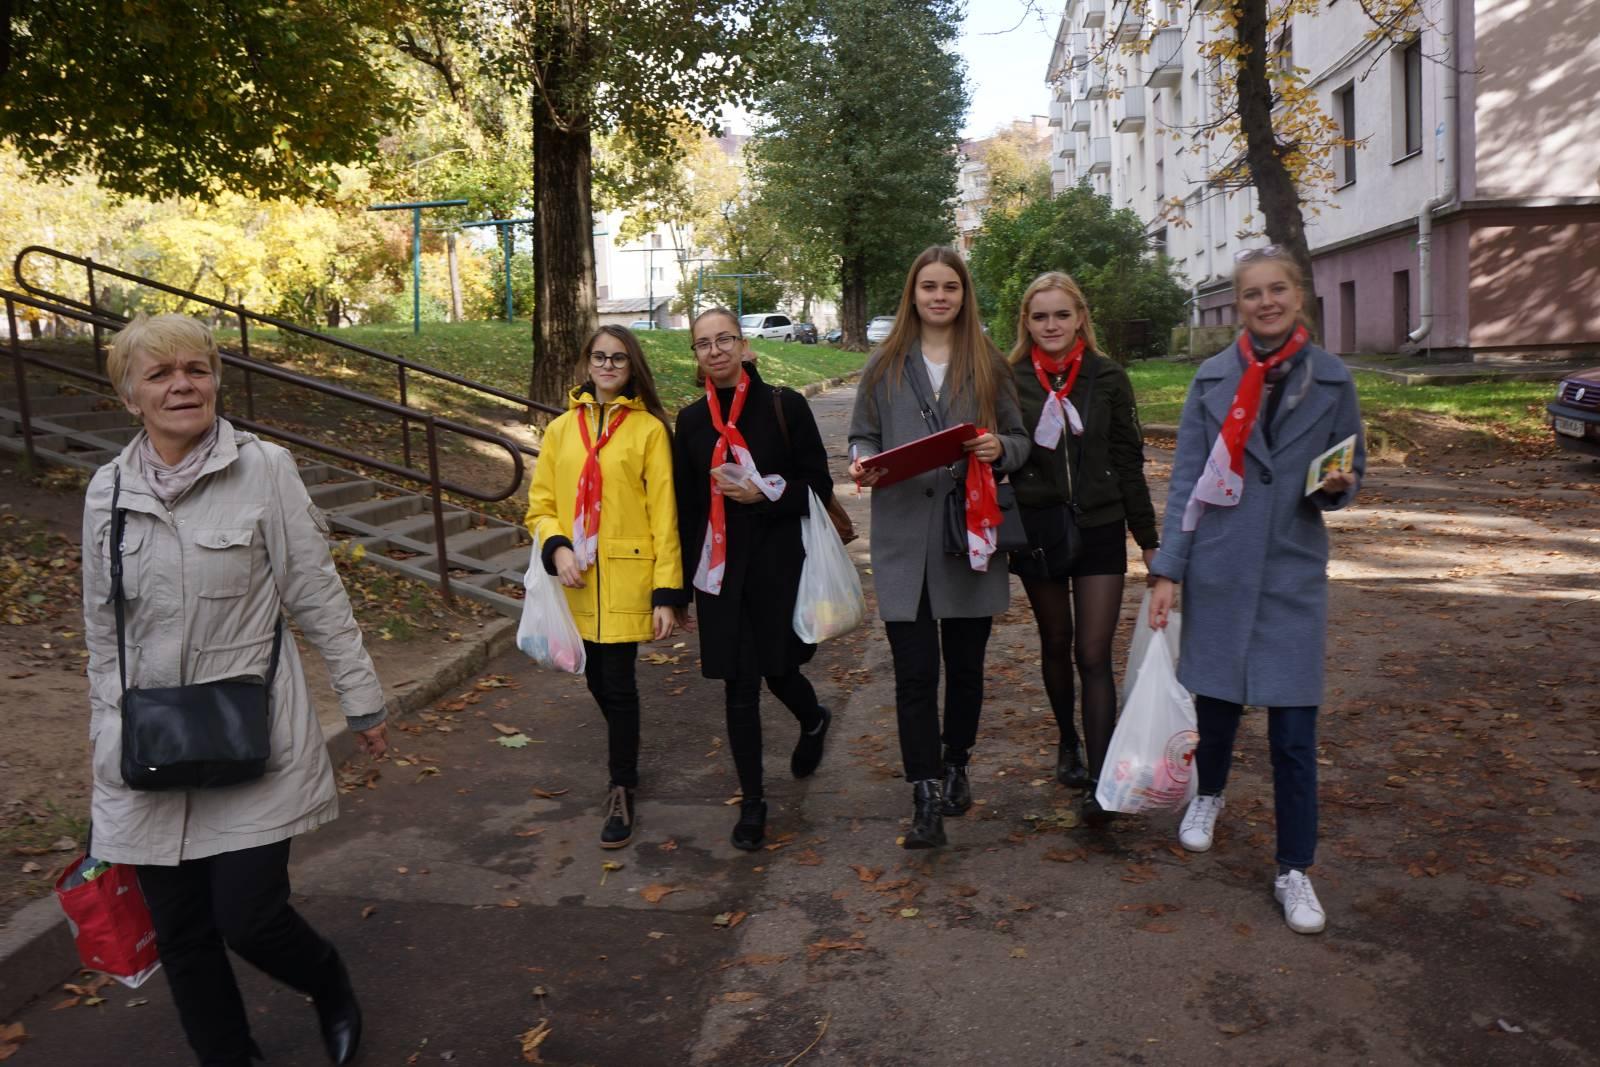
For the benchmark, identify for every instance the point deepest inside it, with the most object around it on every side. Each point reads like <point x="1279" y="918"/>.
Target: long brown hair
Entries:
<point x="1060" y="280"/>
<point x="640" y="379"/>
<point x="972" y="355"/>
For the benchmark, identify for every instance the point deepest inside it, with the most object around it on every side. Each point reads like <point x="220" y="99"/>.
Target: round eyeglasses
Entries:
<point x="608" y="359"/>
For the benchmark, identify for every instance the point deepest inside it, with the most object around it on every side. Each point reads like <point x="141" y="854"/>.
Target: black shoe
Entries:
<point x="808" y="750"/>
<point x="751" y="829"/>
<point x="339" y="1016"/>
<point x="1090" y="813"/>
<point x="957" y="790"/>
<point x="617" y="830"/>
<point x="927" y="823"/>
<point x="1070" y="770"/>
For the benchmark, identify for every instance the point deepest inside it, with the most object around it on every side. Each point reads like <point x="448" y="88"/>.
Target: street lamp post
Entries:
<point x="416" y="249"/>
<point x="506" y="234"/>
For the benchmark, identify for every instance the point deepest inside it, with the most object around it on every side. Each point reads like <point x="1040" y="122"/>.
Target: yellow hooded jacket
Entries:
<point x="640" y="563"/>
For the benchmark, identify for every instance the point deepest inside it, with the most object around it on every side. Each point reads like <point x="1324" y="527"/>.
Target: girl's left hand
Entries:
<point x="374" y="742"/>
<point x="743" y="493"/>
<point x="666" y="621"/>
<point x="1338" y="482"/>
<point x="986" y="447"/>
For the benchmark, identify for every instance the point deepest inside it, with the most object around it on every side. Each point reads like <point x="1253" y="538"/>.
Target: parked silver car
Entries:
<point x="772" y="326"/>
<point x="878" y="329"/>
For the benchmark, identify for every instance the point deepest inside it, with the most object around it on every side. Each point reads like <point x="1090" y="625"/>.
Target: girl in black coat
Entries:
<point x="745" y="581"/>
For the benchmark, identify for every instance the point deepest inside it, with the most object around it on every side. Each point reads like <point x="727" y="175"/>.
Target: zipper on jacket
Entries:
<point x="599" y="606"/>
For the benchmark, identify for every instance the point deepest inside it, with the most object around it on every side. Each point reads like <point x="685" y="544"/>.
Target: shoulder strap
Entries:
<point x="783" y="420"/>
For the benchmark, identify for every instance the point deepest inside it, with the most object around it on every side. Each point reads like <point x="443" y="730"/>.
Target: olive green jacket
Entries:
<point x="1108" y="482"/>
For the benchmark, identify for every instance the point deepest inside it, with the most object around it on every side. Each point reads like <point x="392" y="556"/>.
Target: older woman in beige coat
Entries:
<point x="220" y="539"/>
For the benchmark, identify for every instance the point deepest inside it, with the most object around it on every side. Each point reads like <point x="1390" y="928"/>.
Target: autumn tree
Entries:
<point x="855" y="154"/>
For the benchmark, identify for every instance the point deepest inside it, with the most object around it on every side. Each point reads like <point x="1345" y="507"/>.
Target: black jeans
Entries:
<point x="1292" y="739"/>
<point x="743" y="692"/>
<point x="238" y="900"/>
<point x="610" y="672"/>
<point x="916" y="648"/>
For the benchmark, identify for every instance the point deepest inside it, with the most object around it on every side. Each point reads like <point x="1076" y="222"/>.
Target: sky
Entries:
<point x="1006" y="44"/>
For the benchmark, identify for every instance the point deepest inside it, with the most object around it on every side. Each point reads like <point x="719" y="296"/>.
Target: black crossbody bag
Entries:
<point x="1011" y="537"/>
<point x="1054" y="540"/>
<point x="188" y="736"/>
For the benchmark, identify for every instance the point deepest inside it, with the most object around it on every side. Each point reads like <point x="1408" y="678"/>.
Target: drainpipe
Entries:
<point x="1446" y="195"/>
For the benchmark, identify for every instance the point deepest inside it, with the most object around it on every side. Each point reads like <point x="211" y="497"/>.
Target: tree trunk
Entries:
<point x="563" y="242"/>
<point x="455" y="277"/>
<point x="335" y="312"/>
<point x="1275" y="186"/>
<point x="853" y="301"/>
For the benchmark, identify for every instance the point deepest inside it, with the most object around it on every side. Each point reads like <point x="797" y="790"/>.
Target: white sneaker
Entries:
<point x="1301" y="908"/>
<point x="1199" y="822"/>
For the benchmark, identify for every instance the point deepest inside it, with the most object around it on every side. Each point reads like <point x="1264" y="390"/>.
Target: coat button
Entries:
<point x="1266" y="477"/>
<point x="927" y="492"/>
<point x="636" y="552"/>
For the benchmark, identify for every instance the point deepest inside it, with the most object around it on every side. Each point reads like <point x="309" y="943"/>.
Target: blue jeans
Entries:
<point x="1292" y="734"/>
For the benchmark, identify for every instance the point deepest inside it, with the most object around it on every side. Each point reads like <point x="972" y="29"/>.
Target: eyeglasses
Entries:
<point x="608" y="359"/>
<point x="1264" y="252"/>
<point x="727" y="342"/>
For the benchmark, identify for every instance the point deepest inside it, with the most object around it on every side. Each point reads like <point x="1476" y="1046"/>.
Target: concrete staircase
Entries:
<point x="81" y="428"/>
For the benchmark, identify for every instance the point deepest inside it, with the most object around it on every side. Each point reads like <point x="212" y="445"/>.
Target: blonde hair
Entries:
<point x="972" y="355"/>
<point x="162" y="337"/>
<point x="1022" y="348"/>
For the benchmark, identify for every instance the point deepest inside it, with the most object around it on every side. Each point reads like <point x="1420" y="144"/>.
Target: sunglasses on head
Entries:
<point x="1264" y="252"/>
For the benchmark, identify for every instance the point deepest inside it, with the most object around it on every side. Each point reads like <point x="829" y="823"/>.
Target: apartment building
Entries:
<point x="1467" y="222"/>
<point x="1030" y="138"/>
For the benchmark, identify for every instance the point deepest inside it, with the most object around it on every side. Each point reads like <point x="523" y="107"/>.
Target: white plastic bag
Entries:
<point x="1150" y="764"/>
<point x="1141" y="642"/>
<point x="829" y="602"/>
<point x="547" y="635"/>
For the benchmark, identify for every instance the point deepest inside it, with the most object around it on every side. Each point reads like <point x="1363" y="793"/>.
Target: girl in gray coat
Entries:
<point x="1248" y="542"/>
<point x="936" y="369"/>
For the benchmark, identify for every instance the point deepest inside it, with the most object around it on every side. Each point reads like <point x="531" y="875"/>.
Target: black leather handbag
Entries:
<point x="188" y="736"/>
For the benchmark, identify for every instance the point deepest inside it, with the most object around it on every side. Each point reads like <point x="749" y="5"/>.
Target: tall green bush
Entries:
<point x="1135" y="298"/>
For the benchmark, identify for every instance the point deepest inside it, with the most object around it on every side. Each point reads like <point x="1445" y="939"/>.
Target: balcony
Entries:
<point x="1069" y="146"/>
<point x="1099" y="155"/>
<point x="1129" y="26"/>
<point x="1078" y="53"/>
<point x="1080" y="117"/>
<point x="1129" y="111"/>
<point x="1094" y="84"/>
<point x="1094" y="14"/>
<point x="1166" y="57"/>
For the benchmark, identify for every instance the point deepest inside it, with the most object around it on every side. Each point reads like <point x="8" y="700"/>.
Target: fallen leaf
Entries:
<point x="729" y="919"/>
<point x="743" y="996"/>
<point x="963" y="891"/>
<point x="1019" y="953"/>
<point x="668" y="845"/>
<point x="31" y="868"/>
<point x="514" y="741"/>
<point x="869" y="874"/>
<point x="494" y="681"/>
<point x="69" y="1002"/>
<point x="655" y="894"/>
<point x="1573" y="895"/>
<point x="548" y="794"/>
<point x="817" y="948"/>
<point x="809" y="858"/>
<point x="607" y="867"/>
<point x="369" y="911"/>
<point x="508" y="731"/>
<point x="511" y="902"/>
<point x="530" y="833"/>
<point x="532" y="1039"/>
<point x="1065" y="855"/>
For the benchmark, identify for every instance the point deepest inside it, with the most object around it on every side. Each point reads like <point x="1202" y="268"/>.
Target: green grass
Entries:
<point x="499" y="354"/>
<point x="1499" y="408"/>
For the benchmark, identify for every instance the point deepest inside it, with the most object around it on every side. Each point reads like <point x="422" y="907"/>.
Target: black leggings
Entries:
<point x="744" y="711"/>
<point x="1096" y="601"/>
<point x="609" y="670"/>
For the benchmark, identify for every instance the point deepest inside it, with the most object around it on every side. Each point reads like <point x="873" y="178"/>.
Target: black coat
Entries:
<point x="765" y="553"/>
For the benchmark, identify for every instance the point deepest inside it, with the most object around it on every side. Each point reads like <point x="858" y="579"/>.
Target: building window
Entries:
<point x="658" y="273"/>
<point x="1347" y="316"/>
<point x="1161" y="179"/>
<point x="1402" y="307"/>
<point x="1344" y="111"/>
<point x="1284" y="49"/>
<point x="1411" y="83"/>
<point x="655" y="240"/>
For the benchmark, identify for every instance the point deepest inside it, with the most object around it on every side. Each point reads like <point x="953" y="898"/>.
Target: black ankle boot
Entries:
<point x="1070" y="770"/>
<point x="751" y="828"/>
<point x="339" y="1015"/>
<point x="808" y="750"/>
<point x="1090" y="813"/>
<point x="927" y="822"/>
<point x="957" y="790"/>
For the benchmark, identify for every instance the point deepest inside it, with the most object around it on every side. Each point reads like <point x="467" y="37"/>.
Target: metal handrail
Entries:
<point x="20" y="358"/>
<point x="244" y="316"/>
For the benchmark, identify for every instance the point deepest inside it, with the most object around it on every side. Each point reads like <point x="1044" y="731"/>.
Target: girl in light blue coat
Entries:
<point x="1248" y="543"/>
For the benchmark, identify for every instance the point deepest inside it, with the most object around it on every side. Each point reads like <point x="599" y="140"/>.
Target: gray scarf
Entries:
<point x="169" y="481"/>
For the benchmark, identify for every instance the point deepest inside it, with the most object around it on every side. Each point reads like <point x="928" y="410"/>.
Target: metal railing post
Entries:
<point x="405" y="424"/>
<point x="249" y="379"/>
<point x="94" y="308"/>
<point x="438" y="513"/>
<point x="22" y="388"/>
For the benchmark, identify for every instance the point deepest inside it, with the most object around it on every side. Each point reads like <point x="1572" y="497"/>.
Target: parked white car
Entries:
<point x="641" y="324"/>
<point x="878" y="329"/>
<point x="772" y="326"/>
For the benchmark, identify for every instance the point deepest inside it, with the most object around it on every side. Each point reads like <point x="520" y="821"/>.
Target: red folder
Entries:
<point x="924" y="454"/>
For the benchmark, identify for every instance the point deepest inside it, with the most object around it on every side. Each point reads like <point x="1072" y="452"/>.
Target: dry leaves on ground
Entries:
<point x="655" y="894"/>
<point x="531" y="1040"/>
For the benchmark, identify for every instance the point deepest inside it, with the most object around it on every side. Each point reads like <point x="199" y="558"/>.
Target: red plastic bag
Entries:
<point x="109" y="919"/>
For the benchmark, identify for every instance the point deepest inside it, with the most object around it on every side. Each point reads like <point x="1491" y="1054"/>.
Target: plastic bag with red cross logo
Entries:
<point x="109" y="919"/>
<point x="1150" y="764"/>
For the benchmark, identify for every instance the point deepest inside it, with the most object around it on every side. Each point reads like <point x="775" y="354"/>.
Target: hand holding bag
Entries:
<point x="547" y="633"/>
<point x="1149" y="765"/>
<point x="829" y="601"/>
<point x="188" y="736"/>
<point x="109" y="919"/>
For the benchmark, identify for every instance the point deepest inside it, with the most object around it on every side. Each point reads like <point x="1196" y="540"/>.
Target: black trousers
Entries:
<point x="917" y="647"/>
<point x="743" y="692"/>
<point x="238" y="900"/>
<point x="611" y="674"/>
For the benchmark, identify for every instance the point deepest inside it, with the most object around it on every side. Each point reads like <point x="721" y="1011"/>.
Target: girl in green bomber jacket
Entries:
<point x="1087" y="468"/>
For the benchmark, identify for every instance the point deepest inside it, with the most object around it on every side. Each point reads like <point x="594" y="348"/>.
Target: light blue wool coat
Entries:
<point x="1255" y="576"/>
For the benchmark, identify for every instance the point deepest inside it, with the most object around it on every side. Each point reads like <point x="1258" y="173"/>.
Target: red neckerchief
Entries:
<point x="1057" y="413"/>
<point x="729" y="439"/>
<point x="983" y="512"/>
<point x="1222" y="481"/>
<point x="586" y="512"/>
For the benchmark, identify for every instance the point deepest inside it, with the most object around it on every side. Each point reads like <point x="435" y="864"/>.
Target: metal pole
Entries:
<point x="405" y="423"/>
<point x="416" y="272"/>
<point x="22" y="388"/>
<point x="441" y="553"/>
<point x="94" y="306"/>
<point x="741" y="297"/>
<point x="650" y="285"/>
<point x="510" y="236"/>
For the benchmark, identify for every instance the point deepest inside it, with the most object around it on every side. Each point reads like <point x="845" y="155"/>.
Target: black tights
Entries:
<point x="1096" y="601"/>
<point x="744" y="710"/>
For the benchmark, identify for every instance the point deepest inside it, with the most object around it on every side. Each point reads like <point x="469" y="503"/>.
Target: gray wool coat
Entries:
<point x="1255" y="575"/>
<point x="908" y="517"/>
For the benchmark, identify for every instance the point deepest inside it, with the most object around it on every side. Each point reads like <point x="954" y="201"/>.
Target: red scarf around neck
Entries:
<point x="1058" y="414"/>
<point x="714" y="556"/>
<point x="586" y="512"/>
